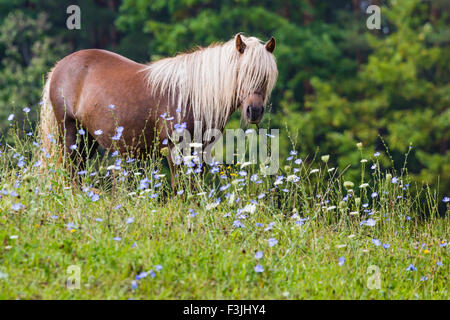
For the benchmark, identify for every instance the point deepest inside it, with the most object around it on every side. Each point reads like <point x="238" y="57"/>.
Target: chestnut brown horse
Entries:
<point x="124" y="105"/>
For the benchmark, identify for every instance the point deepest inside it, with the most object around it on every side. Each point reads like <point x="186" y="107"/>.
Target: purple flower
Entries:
<point x="411" y="268"/>
<point x="272" y="241"/>
<point x="376" y="242"/>
<point x="368" y="222"/>
<point x="259" y="268"/>
<point x="237" y="224"/>
<point x="386" y="245"/>
<point x="446" y="199"/>
<point x="17" y="206"/>
<point x="258" y="255"/>
<point x="117" y="238"/>
<point x="98" y="132"/>
<point x="341" y="261"/>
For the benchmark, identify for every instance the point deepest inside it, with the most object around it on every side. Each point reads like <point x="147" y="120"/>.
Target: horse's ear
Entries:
<point x="240" y="45"/>
<point x="270" y="45"/>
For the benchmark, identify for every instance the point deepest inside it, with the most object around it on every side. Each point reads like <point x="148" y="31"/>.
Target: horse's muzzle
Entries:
<point x="254" y="114"/>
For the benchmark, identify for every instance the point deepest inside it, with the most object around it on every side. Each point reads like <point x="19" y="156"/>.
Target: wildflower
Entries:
<point x="111" y="106"/>
<point x="386" y="245"/>
<point x="193" y="213"/>
<point x="130" y="220"/>
<point x="298" y="161"/>
<point x="134" y="285"/>
<point x="424" y="278"/>
<point x="37" y="164"/>
<point x="180" y="192"/>
<point x="118" y="134"/>
<point x="117" y="238"/>
<point x="272" y="241"/>
<point x="258" y="255"/>
<point x="314" y="171"/>
<point x="237" y="224"/>
<point x="341" y="261"/>
<point x="363" y="160"/>
<point x="359" y="145"/>
<point x="81" y="132"/>
<point x="95" y="197"/>
<point x="373" y="167"/>
<point x="158" y="267"/>
<point x="10" y="117"/>
<point x="446" y="199"/>
<point x="376" y="154"/>
<point x="374" y="195"/>
<point x="26" y="110"/>
<point x="98" y="132"/>
<point x="368" y="222"/>
<point x="70" y="226"/>
<point x="443" y="244"/>
<point x="376" y="242"/>
<point x="394" y="180"/>
<point x="269" y="226"/>
<point x="117" y="207"/>
<point x="17" y="206"/>
<point x="99" y="219"/>
<point x="364" y="185"/>
<point x="141" y="275"/>
<point x="426" y="251"/>
<point x="73" y="147"/>
<point x="411" y="268"/>
<point x="180" y="127"/>
<point x="439" y="263"/>
<point x="259" y="268"/>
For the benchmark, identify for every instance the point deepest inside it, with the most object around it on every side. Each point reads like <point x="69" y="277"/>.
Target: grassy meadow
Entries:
<point x="231" y="233"/>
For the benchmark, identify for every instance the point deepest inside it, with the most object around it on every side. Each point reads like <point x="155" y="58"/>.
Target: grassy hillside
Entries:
<point x="233" y="233"/>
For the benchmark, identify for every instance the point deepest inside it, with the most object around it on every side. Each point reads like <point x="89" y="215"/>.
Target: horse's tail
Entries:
<point x="48" y="127"/>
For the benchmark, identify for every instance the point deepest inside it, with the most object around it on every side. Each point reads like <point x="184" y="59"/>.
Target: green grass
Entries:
<point x="206" y="256"/>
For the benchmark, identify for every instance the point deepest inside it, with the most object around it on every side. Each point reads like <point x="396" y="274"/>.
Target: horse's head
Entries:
<point x="256" y="76"/>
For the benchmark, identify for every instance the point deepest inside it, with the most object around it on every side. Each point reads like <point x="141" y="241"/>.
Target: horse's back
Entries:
<point x="86" y="82"/>
<point x="98" y="69"/>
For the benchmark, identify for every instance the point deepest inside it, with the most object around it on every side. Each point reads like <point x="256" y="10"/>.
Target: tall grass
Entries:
<point x="134" y="236"/>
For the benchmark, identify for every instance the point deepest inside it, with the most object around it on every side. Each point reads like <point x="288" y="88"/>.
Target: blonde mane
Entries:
<point x="211" y="80"/>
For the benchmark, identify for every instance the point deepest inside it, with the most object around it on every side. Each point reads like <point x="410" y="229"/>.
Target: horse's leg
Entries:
<point x="173" y="172"/>
<point x="71" y="157"/>
<point x="77" y="149"/>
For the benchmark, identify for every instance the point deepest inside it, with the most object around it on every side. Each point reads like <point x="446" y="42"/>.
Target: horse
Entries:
<point x="124" y="105"/>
